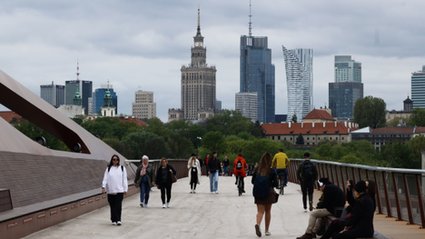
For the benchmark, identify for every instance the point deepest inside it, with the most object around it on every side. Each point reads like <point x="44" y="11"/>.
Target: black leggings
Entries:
<point x="193" y="178"/>
<point x="307" y="188"/>
<point x="166" y="189"/>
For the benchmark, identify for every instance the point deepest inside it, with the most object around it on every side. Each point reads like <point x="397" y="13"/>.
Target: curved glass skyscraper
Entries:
<point x="299" y="79"/>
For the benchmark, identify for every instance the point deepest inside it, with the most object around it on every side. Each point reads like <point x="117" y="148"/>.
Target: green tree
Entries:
<point x="370" y="111"/>
<point x="145" y="142"/>
<point x="213" y="141"/>
<point x="417" y="118"/>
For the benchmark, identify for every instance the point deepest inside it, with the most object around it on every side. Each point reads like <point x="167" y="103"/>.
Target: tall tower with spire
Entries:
<point x="85" y="89"/>
<point x="198" y="82"/>
<point x="257" y="74"/>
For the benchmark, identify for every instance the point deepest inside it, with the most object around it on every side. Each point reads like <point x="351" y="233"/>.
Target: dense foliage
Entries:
<point x="228" y="134"/>
<point x="370" y="111"/>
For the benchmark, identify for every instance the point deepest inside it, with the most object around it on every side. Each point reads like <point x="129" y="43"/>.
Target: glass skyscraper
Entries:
<point x="257" y="75"/>
<point x="418" y="88"/>
<point x="347" y="88"/>
<point x="54" y="94"/>
<point x="98" y="99"/>
<point x="299" y="79"/>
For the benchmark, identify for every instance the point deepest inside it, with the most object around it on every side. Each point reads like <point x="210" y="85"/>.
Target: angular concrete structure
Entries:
<point x="36" y="177"/>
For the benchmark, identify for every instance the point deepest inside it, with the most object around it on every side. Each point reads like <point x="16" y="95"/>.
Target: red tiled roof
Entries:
<point x="393" y="130"/>
<point x="138" y="122"/>
<point x="9" y="116"/>
<point x="319" y="114"/>
<point x="308" y="128"/>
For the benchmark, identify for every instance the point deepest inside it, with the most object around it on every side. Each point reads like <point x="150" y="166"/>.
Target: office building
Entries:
<point x="99" y="96"/>
<point x="347" y="88"/>
<point x="144" y="106"/>
<point x="418" y="88"/>
<point x="83" y="88"/>
<point x="257" y="73"/>
<point x="198" y="82"/>
<point x="53" y="94"/>
<point x="246" y="103"/>
<point x="299" y="79"/>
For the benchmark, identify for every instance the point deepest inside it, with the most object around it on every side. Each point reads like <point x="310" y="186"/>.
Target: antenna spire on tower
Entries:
<point x="199" y="22"/>
<point x="78" y="70"/>
<point x="250" y="23"/>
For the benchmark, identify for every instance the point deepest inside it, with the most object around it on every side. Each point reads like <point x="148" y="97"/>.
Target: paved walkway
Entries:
<point x="201" y="215"/>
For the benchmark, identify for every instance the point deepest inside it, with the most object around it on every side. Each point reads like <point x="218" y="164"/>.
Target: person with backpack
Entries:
<point x="115" y="184"/>
<point x="264" y="180"/>
<point x="307" y="175"/>
<point x="239" y="169"/>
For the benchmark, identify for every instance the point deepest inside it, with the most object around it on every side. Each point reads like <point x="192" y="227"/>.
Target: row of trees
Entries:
<point x="229" y="133"/>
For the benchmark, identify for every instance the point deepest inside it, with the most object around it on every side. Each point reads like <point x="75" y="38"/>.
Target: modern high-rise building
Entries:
<point x="347" y="70"/>
<point x="418" y="88"/>
<point x="99" y="97"/>
<point x="246" y="103"/>
<point x="198" y="82"/>
<point x="53" y="94"/>
<point x="144" y="107"/>
<point x="83" y="88"/>
<point x="299" y="79"/>
<point x="347" y="88"/>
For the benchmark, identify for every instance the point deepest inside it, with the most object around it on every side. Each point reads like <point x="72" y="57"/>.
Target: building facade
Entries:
<point x="246" y="103"/>
<point x="84" y="88"/>
<point x="299" y="79"/>
<point x="198" y="82"/>
<point x="257" y="74"/>
<point x="144" y="106"/>
<point x="418" y="88"/>
<point x="347" y="69"/>
<point x="347" y="88"/>
<point x="98" y="99"/>
<point x="53" y="94"/>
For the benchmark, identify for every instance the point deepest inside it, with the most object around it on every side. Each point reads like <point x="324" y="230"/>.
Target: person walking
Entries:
<point x="115" y="184"/>
<point x="226" y="164"/>
<point x="143" y="180"/>
<point x="194" y="172"/>
<point x="307" y="175"/>
<point x="239" y="170"/>
<point x="163" y="181"/>
<point x="264" y="180"/>
<point x="214" y="169"/>
<point x="280" y="162"/>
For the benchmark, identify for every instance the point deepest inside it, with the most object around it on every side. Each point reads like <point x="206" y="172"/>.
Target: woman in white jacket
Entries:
<point x="115" y="184"/>
<point x="194" y="172"/>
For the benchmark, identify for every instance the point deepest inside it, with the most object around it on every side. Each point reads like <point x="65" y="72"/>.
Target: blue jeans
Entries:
<point x="144" y="192"/>
<point x="214" y="181"/>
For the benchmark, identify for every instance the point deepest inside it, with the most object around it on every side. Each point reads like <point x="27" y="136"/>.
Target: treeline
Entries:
<point x="227" y="133"/>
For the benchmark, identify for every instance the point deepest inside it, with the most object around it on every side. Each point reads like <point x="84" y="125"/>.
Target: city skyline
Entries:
<point x="142" y="45"/>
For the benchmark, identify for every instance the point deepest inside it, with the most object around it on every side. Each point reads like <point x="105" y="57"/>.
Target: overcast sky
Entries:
<point x="142" y="44"/>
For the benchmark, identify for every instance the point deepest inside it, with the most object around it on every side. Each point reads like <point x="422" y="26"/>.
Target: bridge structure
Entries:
<point x="43" y="188"/>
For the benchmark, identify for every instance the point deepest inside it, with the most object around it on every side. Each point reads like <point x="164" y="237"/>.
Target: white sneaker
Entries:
<point x="163" y="205"/>
<point x="216" y="192"/>
<point x="268" y="234"/>
<point x="119" y="223"/>
<point x="168" y="204"/>
<point x="145" y="205"/>
<point x="114" y="223"/>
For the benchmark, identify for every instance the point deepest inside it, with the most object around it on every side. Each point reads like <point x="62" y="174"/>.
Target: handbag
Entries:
<point x="274" y="196"/>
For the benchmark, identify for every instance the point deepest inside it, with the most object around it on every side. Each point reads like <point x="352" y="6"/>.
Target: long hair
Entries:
<point x="265" y="164"/>
<point x="114" y="156"/>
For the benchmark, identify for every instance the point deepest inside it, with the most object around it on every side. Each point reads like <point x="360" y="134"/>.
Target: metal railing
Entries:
<point x="399" y="192"/>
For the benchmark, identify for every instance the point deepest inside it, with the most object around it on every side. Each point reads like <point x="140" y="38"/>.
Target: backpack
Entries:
<point x="308" y="170"/>
<point x="261" y="187"/>
<point x="239" y="165"/>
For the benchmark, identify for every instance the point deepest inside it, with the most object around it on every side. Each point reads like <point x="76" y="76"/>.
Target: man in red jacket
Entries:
<point x="239" y="169"/>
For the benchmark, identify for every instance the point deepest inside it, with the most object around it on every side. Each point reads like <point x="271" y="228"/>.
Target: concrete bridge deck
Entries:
<point x="205" y="215"/>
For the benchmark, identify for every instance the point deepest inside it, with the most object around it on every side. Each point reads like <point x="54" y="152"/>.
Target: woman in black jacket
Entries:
<point x="163" y="181"/>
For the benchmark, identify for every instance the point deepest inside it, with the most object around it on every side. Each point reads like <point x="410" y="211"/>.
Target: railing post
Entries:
<point x="408" y="203"/>
<point x="399" y="218"/>
<point x="378" y="196"/>
<point x="387" y="199"/>
<point x="420" y="199"/>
